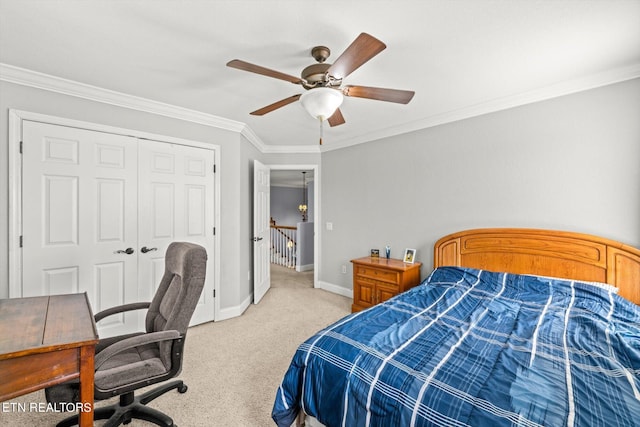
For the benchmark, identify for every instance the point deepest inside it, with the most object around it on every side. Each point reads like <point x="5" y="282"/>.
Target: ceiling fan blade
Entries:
<point x="245" y="66"/>
<point x="269" y="108"/>
<point x="336" y="119"/>
<point x="363" y="48"/>
<point x="378" y="93"/>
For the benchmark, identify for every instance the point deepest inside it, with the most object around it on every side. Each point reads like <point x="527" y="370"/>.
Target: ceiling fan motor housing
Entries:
<point x="315" y="74"/>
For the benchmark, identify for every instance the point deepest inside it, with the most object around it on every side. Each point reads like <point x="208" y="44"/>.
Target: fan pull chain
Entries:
<point x="321" y="130"/>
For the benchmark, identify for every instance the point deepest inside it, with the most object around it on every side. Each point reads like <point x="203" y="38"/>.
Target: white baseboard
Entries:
<point x="335" y="289"/>
<point x="235" y="311"/>
<point x="306" y="267"/>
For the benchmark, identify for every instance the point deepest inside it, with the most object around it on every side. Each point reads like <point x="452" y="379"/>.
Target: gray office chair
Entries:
<point x="126" y="363"/>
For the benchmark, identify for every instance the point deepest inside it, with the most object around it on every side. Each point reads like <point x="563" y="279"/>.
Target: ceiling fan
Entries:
<point x="323" y="81"/>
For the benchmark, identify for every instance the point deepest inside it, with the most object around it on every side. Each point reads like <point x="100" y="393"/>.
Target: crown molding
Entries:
<point x="552" y="91"/>
<point x="292" y="149"/>
<point x="25" y="77"/>
<point x="254" y="139"/>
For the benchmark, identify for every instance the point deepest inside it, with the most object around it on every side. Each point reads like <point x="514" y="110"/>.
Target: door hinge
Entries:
<point x="214" y="168"/>
<point x="214" y="293"/>
<point x="20" y="147"/>
<point x="214" y="231"/>
<point x="20" y="241"/>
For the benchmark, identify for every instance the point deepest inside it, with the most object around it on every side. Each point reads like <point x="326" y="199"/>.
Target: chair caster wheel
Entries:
<point x="183" y="389"/>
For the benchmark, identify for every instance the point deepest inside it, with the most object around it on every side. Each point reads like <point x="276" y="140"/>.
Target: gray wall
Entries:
<point x="305" y="245"/>
<point x="284" y="205"/>
<point x="311" y="206"/>
<point x="569" y="163"/>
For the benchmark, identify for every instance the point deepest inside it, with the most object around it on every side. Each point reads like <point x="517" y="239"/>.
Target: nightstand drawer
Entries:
<point x="377" y="274"/>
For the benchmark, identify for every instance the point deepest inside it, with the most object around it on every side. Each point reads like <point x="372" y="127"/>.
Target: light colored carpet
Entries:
<point x="233" y="367"/>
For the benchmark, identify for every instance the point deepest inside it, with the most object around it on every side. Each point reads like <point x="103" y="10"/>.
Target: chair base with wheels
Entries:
<point x="133" y="407"/>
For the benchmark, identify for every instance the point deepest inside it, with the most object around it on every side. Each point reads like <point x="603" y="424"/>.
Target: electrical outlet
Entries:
<point x="329" y="226"/>
<point x="344" y="269"/>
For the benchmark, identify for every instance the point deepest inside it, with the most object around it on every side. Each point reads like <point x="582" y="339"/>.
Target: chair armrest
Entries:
<point x="131" y="342"/>
<point x="121" y="309"/>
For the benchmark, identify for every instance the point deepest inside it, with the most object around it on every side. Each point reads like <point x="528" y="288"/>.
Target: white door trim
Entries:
<point x="15" y="188"/>
<point x="316" y="211"/>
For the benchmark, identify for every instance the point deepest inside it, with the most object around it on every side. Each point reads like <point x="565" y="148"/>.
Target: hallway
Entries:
<point x="283" y="277"/>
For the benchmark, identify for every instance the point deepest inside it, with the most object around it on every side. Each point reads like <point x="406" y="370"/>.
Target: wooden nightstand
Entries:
<point x="377" y="279"/>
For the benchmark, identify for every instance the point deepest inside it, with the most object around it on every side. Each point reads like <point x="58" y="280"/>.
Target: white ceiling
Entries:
<point x="462" y="57"/>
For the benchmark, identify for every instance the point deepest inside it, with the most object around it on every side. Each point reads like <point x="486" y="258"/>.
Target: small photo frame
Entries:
<point x="375" y="253"/>
<point x="409" y="256"/>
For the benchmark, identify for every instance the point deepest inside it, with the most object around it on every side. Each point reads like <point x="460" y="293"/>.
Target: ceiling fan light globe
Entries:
<point x="321" y="102"/>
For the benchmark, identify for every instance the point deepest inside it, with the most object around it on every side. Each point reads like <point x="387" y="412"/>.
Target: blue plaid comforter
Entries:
<point x="470" y="347"/>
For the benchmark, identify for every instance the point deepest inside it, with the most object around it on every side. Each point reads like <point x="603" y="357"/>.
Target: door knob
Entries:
<point x="257" y="239"/>
<point x="145" y="249"/>
<point x="127" y="251"/>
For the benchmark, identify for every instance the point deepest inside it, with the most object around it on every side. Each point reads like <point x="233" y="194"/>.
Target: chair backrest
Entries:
<point x="178" y="292"/>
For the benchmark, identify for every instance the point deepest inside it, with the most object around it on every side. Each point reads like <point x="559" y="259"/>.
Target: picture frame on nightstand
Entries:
<point x="409" y="256"/>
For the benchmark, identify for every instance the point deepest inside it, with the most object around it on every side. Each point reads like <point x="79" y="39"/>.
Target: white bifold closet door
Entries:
<point x="92" y="200"/>
<point x="175" y="203"/>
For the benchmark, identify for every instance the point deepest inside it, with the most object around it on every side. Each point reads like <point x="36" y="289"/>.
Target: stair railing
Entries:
<point x="284" y="245"/>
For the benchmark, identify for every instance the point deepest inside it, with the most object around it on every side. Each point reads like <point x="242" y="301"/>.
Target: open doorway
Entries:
<point x="294" y="217"/>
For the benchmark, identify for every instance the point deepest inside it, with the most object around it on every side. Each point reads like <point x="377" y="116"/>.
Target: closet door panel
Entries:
<point x="176" y="204"/>
<point x="79" y="208"/>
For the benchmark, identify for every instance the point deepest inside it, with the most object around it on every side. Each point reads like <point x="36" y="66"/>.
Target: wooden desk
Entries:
<point x="46" y="341"/>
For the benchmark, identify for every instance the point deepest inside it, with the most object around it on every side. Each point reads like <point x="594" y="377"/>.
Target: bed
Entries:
<point x="512" y="327"/>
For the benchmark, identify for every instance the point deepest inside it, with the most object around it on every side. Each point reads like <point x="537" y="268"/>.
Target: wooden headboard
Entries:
<point x="544" y="252"/>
